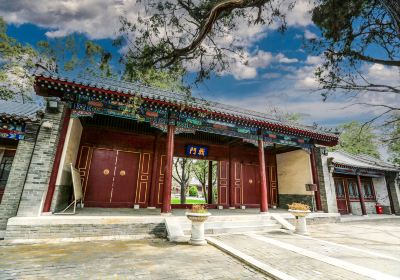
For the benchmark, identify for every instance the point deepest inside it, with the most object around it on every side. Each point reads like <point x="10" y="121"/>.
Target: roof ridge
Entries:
<point x="179" y="98"/>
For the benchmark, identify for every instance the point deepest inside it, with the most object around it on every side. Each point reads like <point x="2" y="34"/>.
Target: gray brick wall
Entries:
<point x="394" y="190"/>
<point x="326" y="183"/>
<point x="16" y="180"/>
<point x="285" y="199"/>
<point x="61" y="198"/>
<point x="47" y="231"/>
<point x="39" y="173"/>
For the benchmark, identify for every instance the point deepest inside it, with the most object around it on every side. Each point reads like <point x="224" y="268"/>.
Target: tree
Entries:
<point x="72" y="54"/>
<point x="283" y="116"/>
<point x="174" y="34"/>
<point x="201" y="172"/>
<point x="358" y="139"/>
<point x="357" y="36"/>
<point x="16" y="62"/>
<point x="394" y="142"/>
<point x="75" y="53"/>
<point x="182" y="174"/>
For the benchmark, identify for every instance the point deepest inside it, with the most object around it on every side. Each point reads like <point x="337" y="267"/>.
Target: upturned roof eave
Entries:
<point x="255" y="118"/>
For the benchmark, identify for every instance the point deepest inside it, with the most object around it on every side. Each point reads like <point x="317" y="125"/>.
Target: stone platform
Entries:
<point x="130" y="224"/>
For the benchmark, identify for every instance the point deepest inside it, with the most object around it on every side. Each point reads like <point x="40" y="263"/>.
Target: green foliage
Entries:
<point x="75" y="53"/>
<point x="358" y="139"/>
<point x="394" y="141"/>
<point x="201" y="172"/>
<point x="173" y="34"/>
<point x="16" y="63"/>
<point x="350" y="29"/>
<point x="193" y="191"/>
<point x="166" y="79"/>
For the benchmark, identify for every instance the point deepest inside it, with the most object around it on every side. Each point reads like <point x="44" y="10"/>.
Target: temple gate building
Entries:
<point x="123" y="137"/>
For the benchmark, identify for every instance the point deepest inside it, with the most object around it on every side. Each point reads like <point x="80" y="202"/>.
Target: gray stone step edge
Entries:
<point x="250" y="261"/>
<point x="285" y="224"/>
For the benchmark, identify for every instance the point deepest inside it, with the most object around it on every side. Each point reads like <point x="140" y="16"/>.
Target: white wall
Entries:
<point x="382" y="196"/>
<point x="356" y="207"/>
<point x="329" y="191"/>
<point x="70" y="151"/>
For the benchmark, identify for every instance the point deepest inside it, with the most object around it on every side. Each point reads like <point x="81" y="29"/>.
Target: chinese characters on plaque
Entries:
<point x="197" y="151"/>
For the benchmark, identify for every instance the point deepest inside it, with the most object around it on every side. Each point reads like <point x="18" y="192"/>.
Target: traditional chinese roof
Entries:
<point x="346" y="160"/>
<point x="19" y="111"/>
<point x="232" y="113"/>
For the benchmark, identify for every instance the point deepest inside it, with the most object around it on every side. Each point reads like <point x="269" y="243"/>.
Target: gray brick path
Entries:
<point x="120" y="260"/>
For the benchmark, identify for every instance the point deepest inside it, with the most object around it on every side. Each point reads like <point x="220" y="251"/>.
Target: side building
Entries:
<point x="19" y="125"/>
<point x="362" y="182"/>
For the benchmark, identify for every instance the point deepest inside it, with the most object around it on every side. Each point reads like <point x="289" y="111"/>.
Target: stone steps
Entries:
<point x="179" y="228"/>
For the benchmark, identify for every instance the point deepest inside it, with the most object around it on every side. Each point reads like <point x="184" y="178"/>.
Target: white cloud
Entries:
<point x="99" y="19"/>
<point x="313" y="60"/>
<point x="95" y="18"/>
<point x="280" y="57"/>
<point x="300" y="15"/>
<point x="309" y="35"/>
<point x="380" y="73"/>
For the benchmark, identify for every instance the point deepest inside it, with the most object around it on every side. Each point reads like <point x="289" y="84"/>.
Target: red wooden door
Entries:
<point x="341" y="196"/>
<point x="251" y="184"/>
<point x="273" y="186"/>
<point x="125" y="179"/>
<point x="223" y="181"/>
<point x="100" y="178"/>
<point x="237" y="185"/>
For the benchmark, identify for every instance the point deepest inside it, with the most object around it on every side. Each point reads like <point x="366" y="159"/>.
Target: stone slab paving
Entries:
<point x="379" y="236"/>
<point x="156" y="259"/>
<point x="288" y="262"/>
<point x="355" y="255"/>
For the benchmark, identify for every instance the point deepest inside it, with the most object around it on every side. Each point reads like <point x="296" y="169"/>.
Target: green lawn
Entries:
<point x="176" y="200"/>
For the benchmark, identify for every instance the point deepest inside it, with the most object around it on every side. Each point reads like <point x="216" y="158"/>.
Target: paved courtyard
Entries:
<point x="357" y="250"/>
<point x="119" y="260"/>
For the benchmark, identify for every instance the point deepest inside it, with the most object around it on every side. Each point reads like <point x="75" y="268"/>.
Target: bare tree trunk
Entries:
<point x="204" y="191"/>
<point x="183" y="193"/>
<point x="183" y="185"/>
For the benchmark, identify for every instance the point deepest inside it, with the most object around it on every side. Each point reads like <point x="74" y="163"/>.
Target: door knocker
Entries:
<point x="122" y="173"/>
<point x="106" y="171"/>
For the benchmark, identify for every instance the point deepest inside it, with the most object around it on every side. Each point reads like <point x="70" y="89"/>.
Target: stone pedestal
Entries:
<point x="301" y="226"/>
<point x="198" y="220"/>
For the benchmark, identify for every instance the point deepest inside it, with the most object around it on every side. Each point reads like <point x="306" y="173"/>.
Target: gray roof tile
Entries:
<point x="20" y="111"/>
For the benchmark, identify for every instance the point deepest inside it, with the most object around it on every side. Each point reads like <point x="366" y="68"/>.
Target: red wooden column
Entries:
<point x="317" y="193"/>
<point x="210" y="180"/>
<point x="166" y="207"/>
<point x="361" y="194"/>
<point x="263" y="177"/>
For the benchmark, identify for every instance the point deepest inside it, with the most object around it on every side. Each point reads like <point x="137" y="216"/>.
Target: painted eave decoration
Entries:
<point x="86" y="96"/>
<point x="14" y="116"/>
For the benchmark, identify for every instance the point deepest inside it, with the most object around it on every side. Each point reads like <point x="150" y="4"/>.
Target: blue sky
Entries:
<point x="279" y="72"/>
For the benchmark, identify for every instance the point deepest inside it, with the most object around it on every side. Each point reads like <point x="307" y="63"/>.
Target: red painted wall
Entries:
<point x="239" y="181"/>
